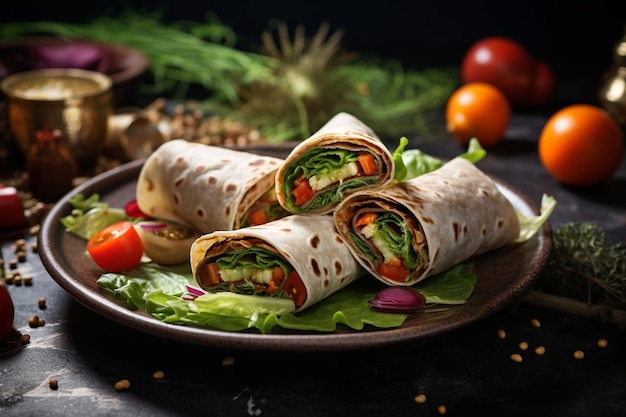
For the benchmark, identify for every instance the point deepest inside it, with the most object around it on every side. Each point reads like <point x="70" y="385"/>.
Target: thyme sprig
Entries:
<point x="584" y="268"/>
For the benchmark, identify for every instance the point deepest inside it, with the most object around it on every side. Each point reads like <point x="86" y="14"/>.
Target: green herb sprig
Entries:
<point x="585" y="275"/>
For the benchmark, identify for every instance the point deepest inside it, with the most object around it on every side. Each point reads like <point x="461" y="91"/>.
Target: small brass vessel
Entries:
<point x="77" y="102"/>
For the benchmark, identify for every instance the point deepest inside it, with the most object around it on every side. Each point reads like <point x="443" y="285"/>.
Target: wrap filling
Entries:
<point x="395" y="245"/>
<point x="250" y="267"/>
<point x="321" y="176"/>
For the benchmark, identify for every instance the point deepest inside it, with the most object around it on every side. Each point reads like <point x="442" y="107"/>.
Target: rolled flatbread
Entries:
<point x="313" y="258"/>
<point x="342" y="157"/>
<point x="207" y="187"/>
<point x="414" y="229"/>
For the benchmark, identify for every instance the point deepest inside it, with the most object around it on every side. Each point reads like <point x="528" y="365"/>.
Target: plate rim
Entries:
<point x="104" y="304"/>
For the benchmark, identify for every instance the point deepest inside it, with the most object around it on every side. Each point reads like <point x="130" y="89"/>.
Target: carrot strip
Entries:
<point x="368" y="163"/>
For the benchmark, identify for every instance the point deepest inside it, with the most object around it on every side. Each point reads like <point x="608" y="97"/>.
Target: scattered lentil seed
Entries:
<point x="21" y="256"/>
<point x="579" y="354"/>
<point x="13" y="264"/>
<point x="523" y="345"/>
<point x="516" y="357"/>
<point x="41" y="322"/>
<point x="540" y="350"/>
<point x="122" y="384"/>
<point x="8" y="280"/>
<point x="420" y="398"/>
<point x="441" y="409"/>
<point x="34" y="248"/>
<point x="54" y="384"/>
<point x="535" y="323"/>
<point x="17" y="280"/>
<point x="158" y="375"/>
<point x="602" y="343"/>
<point x="228" y="361"/>
<point x="42" y="303"/>
<point x="28" y="280"/>
<point x="25" y="339"/>
<point x="501" y="334"/>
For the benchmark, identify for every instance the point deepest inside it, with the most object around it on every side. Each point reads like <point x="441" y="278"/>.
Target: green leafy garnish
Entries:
<point x="159" y="291"/>
<point x="90" y="215"/>
<point x="414" y="162"/>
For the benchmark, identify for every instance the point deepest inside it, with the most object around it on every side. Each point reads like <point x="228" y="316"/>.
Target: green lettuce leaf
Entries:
<point x="159" y="291"/>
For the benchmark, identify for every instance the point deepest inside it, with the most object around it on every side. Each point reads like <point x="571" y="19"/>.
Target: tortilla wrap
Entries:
<point x="342" y="132"/>
<point x="450" y="214"/>
<point x="206" y="187"/>
<point x="309" y="244"/>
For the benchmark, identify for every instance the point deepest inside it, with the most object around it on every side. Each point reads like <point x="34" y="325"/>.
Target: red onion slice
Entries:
<point x="398" y="300"/>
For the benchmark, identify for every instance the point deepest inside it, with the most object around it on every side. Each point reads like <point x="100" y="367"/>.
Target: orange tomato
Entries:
<point x="581" y="145"/>
<point x="478" y="110"/>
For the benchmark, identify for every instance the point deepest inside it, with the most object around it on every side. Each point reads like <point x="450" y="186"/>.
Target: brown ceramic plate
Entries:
<point x="503" y="276"/>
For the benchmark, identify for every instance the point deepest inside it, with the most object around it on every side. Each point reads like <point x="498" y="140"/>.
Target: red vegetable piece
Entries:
<point x="403" y="300"/>
<point x="132" y="210"/>
<point x="11" y="209"/>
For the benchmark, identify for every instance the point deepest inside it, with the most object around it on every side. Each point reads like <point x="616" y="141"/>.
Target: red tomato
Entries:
<point x="397" y="273"/>
<point x="478" y="110"/>
<point x="295" y="288"/>
<point x="543" y="86"/>
<point x="502" y="62"/>
<point x="11" y="209"/>
<point x="581" y="145"/>
<point x="116" y="247"/>
<point x="7" y="312"/>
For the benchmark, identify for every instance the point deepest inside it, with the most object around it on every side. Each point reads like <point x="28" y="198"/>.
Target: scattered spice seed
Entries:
<point x="54" y="384"/>
<point x="34" y="230"/>
<point x="25" y="339"/>
<point x="602" y="343"/>
<point x="523" y="345"/>
<point x="17" y="280"/>
<point x="535" y="323"/>
<point x="516" y="357"/>
<point x="34" y="248"/>
<point x="21" y="256"/>
<point x="579" y="354"/>
<point x="33" y="321"/>
<point x="41" y="322"/>
<point x="122" y="384"/>
<point x="13" y="264"/>
<point x="420" y="398"/>
<point x="42" y="303"/>
<point x="540" y="350"/>
<point x="501" y="334"/>
<point x="441" y="409"/>
<point x="228" y="361"/>
<point x="28" y="280"/>
<point x="158" y="375"/>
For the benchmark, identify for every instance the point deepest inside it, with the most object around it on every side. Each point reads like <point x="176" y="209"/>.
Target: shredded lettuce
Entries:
<point x="530" y="225"/>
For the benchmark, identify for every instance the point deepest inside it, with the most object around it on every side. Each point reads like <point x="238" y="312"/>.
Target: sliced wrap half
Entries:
<point x="207" y="187"/>
<point x="312" y="260"/>
<point x="414" y="229"/>
<point x="344" y="156"/>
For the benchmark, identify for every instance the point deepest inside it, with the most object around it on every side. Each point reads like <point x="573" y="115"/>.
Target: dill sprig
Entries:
<point x="585" y="267"/>
<point x="251" y="86"/>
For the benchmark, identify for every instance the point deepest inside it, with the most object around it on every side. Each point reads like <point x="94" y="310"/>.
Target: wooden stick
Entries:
<point x="601" y="313"/>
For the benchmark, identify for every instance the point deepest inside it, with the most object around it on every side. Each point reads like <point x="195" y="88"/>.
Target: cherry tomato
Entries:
<point x="7" y="312"/>
<point x="543" y="85"/>
<point x="11" y="209"/>
<point x="581" y="145"/>
<point x="295" y="288"/>
<point x="478" y="110"/>
<point x="502" y="62"/>
<point x="397" y="273"/>
<point x="116" y="248"/>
